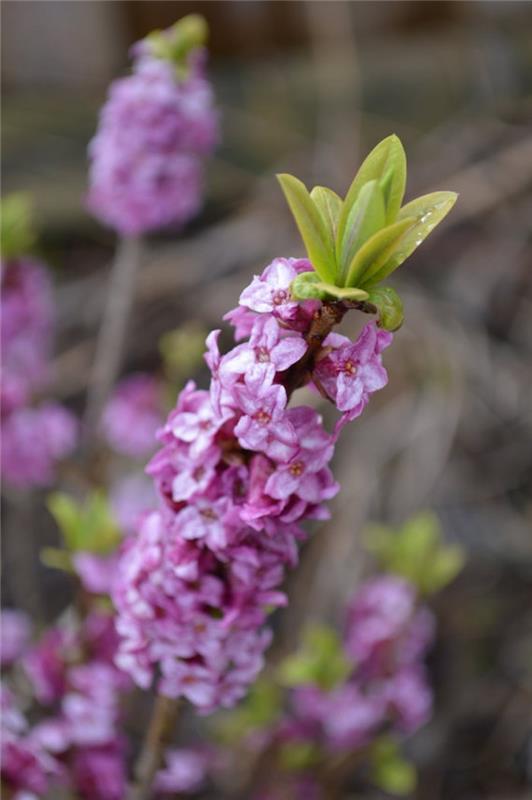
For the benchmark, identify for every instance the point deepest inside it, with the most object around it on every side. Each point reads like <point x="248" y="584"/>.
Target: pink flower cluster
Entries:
<point x="71" y="673"/>
<point x="146" y="157"/>
<point x="35" y="437"/>
<point x="386" y="638"/>
<point x="237" y="473"/>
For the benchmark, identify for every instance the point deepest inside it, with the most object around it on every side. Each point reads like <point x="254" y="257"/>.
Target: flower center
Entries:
<point x="262" y="417"/>
<point x="198" y="473"/>
<point x="205" y="424"/>
<point x="279" y="297"/>
<point x="296" y="469"/>
<point x="349" y="367"/>
<point x="262" y="354"/>
<point x="209" y="514"/>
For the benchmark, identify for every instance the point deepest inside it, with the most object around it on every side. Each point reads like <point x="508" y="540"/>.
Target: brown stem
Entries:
<point x="110" y="344"/>
<point x="329" y="315"/>
<point x="157" y="738"/>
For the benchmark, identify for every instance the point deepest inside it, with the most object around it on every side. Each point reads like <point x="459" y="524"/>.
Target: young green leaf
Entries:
<point x="390" y="770"/>
<point x="305" y="287"/>
<point x="85" y="527"/>
<point x="376" y="251"/>
<point x="330" y="206"/>
<point x="340" y="292"/>
<point x="16" y="234"/>
<point x="311" y="226"/>
<point x="320" y="661"/>
<point x="418" y="552"/>
<point x="428" y="211"/>
<point x="365" y="216"/>
<point x="389" y="306"/>
<point x="387" y="164"/>
<point x="65" y="511"/>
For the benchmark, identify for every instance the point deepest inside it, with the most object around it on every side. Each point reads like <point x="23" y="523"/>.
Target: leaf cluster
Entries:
<point x="85" y="527"/>
<point x="320" y="661"/>
<point x="356" y="243"/>
<point x="176" y="43"/>
<point x="417" y="552"/>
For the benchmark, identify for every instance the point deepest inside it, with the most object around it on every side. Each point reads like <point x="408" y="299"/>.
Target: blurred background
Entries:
<point x="309" y="88"/>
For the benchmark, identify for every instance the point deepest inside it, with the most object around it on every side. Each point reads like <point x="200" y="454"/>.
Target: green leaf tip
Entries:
<point x="176" y="43"/>
<point x="17" y="235"/>
<point x="355" y="243"/>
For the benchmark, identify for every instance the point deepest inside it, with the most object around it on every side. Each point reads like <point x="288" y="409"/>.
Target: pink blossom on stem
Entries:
<point x="146" y="157"/>
<point x="238" y="469"/>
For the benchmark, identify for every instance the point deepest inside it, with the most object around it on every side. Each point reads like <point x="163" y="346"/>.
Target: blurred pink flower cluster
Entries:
<point x="155" y="129"/>
<point x="76" y="741"/>
<point x="386" y="639"/>
<point x="133" y="414"/>
<point x="237" y="472"/>
<point x="34" y="435"/>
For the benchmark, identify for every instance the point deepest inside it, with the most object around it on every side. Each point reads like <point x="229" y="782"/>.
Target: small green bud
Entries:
<point x="305" y="287"/>
<point x="389" y="307"/>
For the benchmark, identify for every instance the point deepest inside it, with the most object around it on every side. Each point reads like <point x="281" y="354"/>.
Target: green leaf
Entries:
<point x="88" y="527"/>
<point x="176" y="43"/>
<point x="17" y="236"/>
<point x="376" y="251"/>
<point x="320" y="660"/>
<point x="260" y="709"/>
<point x="298" y="755"/>
<point x="417" y="552"/>
<point x="311" y="226"/>
<point x="305" y="287"/>
<point x="330" y="206"/>
<point x="341" y="293"/>
<point x="358" y="222"/>
<point x="387" y="164"/>
<point x="56" y="559"/>
<point x="390" y="770"/>
<point x="389" y="306"/>
<point x="427" y="211"/>
<point x="65" y="511"/>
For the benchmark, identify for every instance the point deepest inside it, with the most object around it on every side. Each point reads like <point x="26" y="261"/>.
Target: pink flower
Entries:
<point x="264" y="427"/>
<point x="146" y="157"/>
<point x="185" y="771"/>
<point x="270" y="293"/>
<point x="351" y="372"/>
<point x="351" y="717"/>
<point x="204" y="520"/>
<point x="133" y="415"/>
<point x="197" y="427"/>
<point x="15" y="632"/>
<point x="99" y="773"/>
<point x="45" y="665"/>
<point x="266" y="353"/>
<point x="409" y="698"/>
<point x="96" y="572"/>
<point x="131" y="497"/>
<point x="303" y="473"/>
<point x="33" y="441"/>
<point x="384" y="626"/>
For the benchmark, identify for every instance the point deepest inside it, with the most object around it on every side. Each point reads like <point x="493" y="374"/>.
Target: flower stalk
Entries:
<point x="112" y="333"/>
<point x="158" y="737"/>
